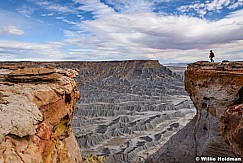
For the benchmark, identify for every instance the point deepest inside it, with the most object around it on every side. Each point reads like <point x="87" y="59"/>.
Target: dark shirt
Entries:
<point x="211" y="55"/>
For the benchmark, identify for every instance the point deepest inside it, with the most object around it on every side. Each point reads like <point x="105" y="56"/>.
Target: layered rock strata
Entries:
<point x="128" y="109"/>
<point x="36" y="111"/>
<point x="216" y="90"/>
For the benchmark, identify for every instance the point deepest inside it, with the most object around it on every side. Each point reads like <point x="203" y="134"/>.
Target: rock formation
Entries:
<point x="216" y="90"/>
<point x="232" y="128"/>
<point x="127" y="109"/>
<point x="36" y="112"/>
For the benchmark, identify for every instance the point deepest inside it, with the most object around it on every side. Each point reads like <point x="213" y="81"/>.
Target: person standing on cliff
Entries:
<point x="211" y="55"/>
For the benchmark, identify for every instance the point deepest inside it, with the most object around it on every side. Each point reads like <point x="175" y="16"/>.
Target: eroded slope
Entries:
<point x="128" y="109"/>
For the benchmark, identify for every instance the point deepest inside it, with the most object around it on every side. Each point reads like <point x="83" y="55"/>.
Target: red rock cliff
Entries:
<point x="36" y="110"/>
<point x="216" y="90"/>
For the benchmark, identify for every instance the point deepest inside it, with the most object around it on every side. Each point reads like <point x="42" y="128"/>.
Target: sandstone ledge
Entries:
<point x="216" y="90"/>
<point x="36" y="111"/>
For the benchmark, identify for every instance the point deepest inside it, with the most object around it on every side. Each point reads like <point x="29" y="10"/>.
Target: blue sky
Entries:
<point x="166" y="30"/>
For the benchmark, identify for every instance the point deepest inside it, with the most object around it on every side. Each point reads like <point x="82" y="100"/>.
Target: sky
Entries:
<point x="170" y="31"/>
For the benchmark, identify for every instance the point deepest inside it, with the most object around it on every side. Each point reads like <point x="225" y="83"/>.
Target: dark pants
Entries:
<point x="211" y="58"/>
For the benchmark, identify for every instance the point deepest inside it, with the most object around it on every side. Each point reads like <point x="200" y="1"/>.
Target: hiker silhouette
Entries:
<point x="211" y="55"/>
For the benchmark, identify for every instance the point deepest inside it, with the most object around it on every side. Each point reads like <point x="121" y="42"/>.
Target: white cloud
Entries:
<point x="55" y="7"/>
<point x="210" y="6"/>
<point x="158" y="31"/>
<point x="26" y="10"/>
<point x="14" y="23"/>
<point x="95" y="6"/>
<point x="11" y="29"/>
<point x="131" y="6"/>
<point x="66" y="21"/>
<point x="151" y="36"/>
<point x="16" y="50"/>
<point x="49" y="14"/>
<point x="129" y="34"/>
<point x="239" y="3"/>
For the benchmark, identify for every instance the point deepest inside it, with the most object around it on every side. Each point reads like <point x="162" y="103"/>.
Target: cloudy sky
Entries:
<point x="166" y="30"/>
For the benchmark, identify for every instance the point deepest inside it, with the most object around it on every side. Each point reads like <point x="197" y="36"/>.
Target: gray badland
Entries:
<point x="127" y="109"/>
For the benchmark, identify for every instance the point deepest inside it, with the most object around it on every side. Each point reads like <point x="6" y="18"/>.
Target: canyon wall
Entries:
<point x="127" y="110"/>
<point x="36" y="112"/>
<point x="216" y="90"/>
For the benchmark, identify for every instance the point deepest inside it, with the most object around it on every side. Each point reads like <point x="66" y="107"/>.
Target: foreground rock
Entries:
<point x="36" y="111"/>
<point x="216" y="90"/>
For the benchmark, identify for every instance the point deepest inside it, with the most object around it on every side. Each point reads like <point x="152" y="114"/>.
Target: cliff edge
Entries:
<point x="216" y="90"/>
<point x="36" y="111"/>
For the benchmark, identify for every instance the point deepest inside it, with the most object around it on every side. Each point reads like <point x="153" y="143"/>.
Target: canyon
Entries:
<point x="216" y="90"/>
<point x="127" y="109"/>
